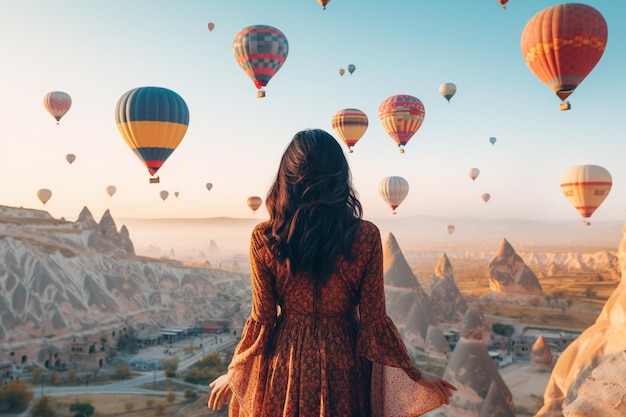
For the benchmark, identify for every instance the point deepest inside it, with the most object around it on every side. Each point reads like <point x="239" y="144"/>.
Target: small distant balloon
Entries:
<point x="323" y="3"/>
<point x="164" y="194"/>
<point x="209" y="186"/>
<point x="450" y="229"/>
<point x="176" y="194"/>
<point x="473" y="173"/>
<point x="447" y="90"/>
<point x="111" y="189"/>
<point x="485" y="197"/>
<point x="254" y="203"/>
<point x="342" y="71"/>
<point x="351" y="68"/>
<point x="57" y="103"/>
<point x="70" y="157"/>
<point x="210" y="26"/>
<point x="44" y="195"/>
<point x="492" y="140"/>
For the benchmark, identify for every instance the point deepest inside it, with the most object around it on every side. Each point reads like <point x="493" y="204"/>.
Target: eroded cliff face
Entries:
<point x="510" y="275"/>
<point x="61" y="279"/>
<point x="605" y="338"/>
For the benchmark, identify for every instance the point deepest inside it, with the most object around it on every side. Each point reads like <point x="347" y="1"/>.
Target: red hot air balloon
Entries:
<point x="210" y="26"/>
<point x="562" y="44"/>
<point x="260" y="51"/>
<point x="401" y="116"/>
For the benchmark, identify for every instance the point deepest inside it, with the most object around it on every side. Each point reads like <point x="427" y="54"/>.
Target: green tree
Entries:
<point x="190" y="394"/>
<point x="16" y="395"/>
<point x="171" y="396"/>
<point x="128" y="342"/>
<point x="82" y="408"/>
<point x="122" y="370"/>
<point x="72" y="376"/>
<point x="37" y="375"/>
<point x="43" y="408"/>
<point x="170" y="366"/>
<point x="503" y="329"/>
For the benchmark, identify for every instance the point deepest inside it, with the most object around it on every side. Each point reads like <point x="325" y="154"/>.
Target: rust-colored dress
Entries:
<point x="310" y="355"/>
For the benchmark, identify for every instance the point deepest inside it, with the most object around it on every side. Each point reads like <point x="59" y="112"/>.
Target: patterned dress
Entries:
<point x="307" y="352"/>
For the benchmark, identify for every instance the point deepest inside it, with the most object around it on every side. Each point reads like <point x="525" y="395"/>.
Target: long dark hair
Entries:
<point x="314" y="211"/>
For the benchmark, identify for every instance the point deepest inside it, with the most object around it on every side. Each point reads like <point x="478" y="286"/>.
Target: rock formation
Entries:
<point x="436" y="346"/>
<point x="61" y="279"/>
<point x="509" y="274"/>
<point x="473" y="372"/>
<point x="540" y="354"/>
<point x="402" y="289"/>
<point x="417" y="323"/>
<point x="496" y="404"/>
<point x="446" y="299"/>
<point x="606" y="337"/>
<point x="603" y="394"/>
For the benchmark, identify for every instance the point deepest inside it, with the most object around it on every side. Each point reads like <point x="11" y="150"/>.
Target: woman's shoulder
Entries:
<point x="368" y="230"/>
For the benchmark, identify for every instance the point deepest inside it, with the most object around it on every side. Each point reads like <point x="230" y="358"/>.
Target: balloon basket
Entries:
<point x="260" y="93"/>
<point x="154" y="180"/>
<point x="565" y="106"/>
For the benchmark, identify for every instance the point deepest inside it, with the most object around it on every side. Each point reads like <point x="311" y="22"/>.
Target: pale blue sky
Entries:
<point x="98" y="50"/>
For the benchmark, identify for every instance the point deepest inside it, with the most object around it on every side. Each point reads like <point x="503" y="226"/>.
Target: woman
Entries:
<point x="318" y="320"/>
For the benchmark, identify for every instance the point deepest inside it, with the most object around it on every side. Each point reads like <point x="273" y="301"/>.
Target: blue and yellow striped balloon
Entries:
<point x="153" y="122"/>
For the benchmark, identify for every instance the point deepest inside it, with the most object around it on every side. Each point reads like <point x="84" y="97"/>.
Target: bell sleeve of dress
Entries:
<point x="378" y="338"/>
<point x="248" y="369"/>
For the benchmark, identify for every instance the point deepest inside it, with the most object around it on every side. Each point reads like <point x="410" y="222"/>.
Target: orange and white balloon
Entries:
<point x="350" y="125"/>
<point x="254" y="203"/>
<point x="586" y="187"/>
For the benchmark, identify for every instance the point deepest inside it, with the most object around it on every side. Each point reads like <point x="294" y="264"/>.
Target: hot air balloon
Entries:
<point x="586" y="187"/>
<point x="209" y="186"/>
<point x="447" y="90"/>
<point x="164" y="194"/>
<point x="562" y="44"/>
<point x="503" y="2"/>
<point x="153" y="122"/>
<point x="450" y="229"/>
<point x="351" y="68"/>
<point x="401" y="116"/>
<point x="176" y="194"/>
<point x="473" y="173"/>
<point x="260" y="51"/>
<point x="492" y="140"/>
<point x="57" y="103"/>
<point x="111" y="189"/>
<point x="70" y="157"/>
<point x="485" y="197"/>
<point x="44" y="195"/>
<point x="393" y="190"/>
<point x="210" y="26"/>
<point x="323" y="3"/>
<point x="350" y="125"/>
<point x="342" y="71"/>
<point x="254" y="203"/>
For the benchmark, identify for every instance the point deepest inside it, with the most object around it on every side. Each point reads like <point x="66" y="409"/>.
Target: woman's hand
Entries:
<point x="220" y="392"/>
<point x="443" y="387"/>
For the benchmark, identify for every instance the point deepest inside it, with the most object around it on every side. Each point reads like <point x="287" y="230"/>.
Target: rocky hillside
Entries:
<point x="61" y="279"/>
